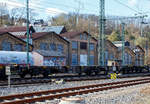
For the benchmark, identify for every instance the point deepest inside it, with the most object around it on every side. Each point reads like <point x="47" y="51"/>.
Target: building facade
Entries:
<point x="129" y="56"/>
<point x="79" y="48"/>
<point x="68" y="48"/>
<point x="52" y="47"/>
<point x="139" y="56"/>
<point x="111" y="52"/>
<point x="9" y="42"/>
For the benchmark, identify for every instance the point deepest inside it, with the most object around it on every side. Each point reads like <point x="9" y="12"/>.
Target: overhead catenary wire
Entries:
<point x="127" y="6"/>
<point x="40" y="8"/>
<point x="66" y="6"/>
<point x="34" y="7"/>
<point x="47" y="5"/>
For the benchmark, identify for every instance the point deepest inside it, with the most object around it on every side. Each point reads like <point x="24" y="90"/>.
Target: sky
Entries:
<point x="51" y="8"/>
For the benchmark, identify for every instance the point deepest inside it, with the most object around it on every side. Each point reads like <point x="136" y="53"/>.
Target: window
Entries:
<point x="142" y="62"/>
<point x="60" y="48"/>
<point x="74" y="59"/>
<point x="91" y="59"/>
<point x="83" y="37"/>
<point x="17" y="47"/>
<point x="136" y="62"/>
<point x="130" y="60"/>
<point x="43" y="46"/>
<point x="126" y="59"/>
<point x="74" y="45"/>
<point x="6" y="46"/>
<point x="53" y="47"/>
<point x="111" y="56"/>
<point x="91" y="46"/>
<point x="106" y="57"/>
<point x="83" y="45"/>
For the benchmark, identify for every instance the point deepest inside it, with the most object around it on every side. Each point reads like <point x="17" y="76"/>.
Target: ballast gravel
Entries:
<point x="49" y="86"/>
<point x="125" y="95"/>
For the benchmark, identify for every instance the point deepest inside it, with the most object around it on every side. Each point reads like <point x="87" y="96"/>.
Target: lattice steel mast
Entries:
<point x="123" y="42"/>
<point x="101" y="41"/>
<point x="27" y="48"/>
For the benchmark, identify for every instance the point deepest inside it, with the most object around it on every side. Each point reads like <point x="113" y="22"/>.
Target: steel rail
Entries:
<point x="10" y="97"/>
<point x="50" y="97"/>
<point x="67" y="80"/>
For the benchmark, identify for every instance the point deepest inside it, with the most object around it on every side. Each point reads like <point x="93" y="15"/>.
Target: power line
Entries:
<point x="127" y="6"/>
<point x="66" y="6"/>
<point x="90" y="4"/>
<point x="35" y="7"/>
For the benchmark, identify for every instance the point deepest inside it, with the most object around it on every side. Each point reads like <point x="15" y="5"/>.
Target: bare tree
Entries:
<point x="3" y="12"/>
<point x="18" y="15"/>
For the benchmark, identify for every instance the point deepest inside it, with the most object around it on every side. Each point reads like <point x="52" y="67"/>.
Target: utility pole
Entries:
<point x="123" y="42"/>
<point x="27" y="33"/>
<point x="147" y="47"/>
<point x="77" y="16"/>
<point x="1" y="19"/>
<point x="101" y="41"/>
<point x="89" y="36"/>
<point x="142" y="35"/>
<point x="141" y="28"/>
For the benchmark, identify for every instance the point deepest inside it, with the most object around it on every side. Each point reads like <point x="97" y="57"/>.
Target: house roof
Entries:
<point x="16" y="30"/>
<point x="72" y="34"/>
<point x="13" y="29"/>
<point x="140" y="48"/>
<point x="126" y="48"/>
<point x="50" y="53"/>
<point x="130" y="50"/>
<point x="18" y="33"/>
<point x="40" y="34"/>
<point x="34" y="35"/>
<point x="2" y="33"/>
<point x="119" y="43"/>
<point x="56" y="29"/>
<point x="111" y="43"/>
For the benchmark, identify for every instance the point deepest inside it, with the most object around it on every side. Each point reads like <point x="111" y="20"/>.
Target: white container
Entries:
<point x="72" y="101"/>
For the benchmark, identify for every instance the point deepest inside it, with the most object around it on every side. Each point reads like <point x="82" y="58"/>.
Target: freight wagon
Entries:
<point x="17" y="61"/>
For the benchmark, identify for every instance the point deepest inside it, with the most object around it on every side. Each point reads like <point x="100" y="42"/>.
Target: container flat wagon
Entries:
<point x="36" y="66"/>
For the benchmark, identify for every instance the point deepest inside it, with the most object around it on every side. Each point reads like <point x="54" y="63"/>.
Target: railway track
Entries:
<point x="66" y="92"/>
<point x="29" y="81"/>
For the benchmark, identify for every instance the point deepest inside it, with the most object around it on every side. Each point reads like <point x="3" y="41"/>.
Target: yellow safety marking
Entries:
<point x="1" y="67"/>
<point x="113" y="76"/>
<point x="44" y="67"/>
<point x="67" y="66"/>
<point x="15" y="65"/>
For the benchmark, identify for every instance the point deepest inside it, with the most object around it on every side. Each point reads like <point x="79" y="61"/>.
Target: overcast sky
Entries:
<point x="47" y="8"/>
